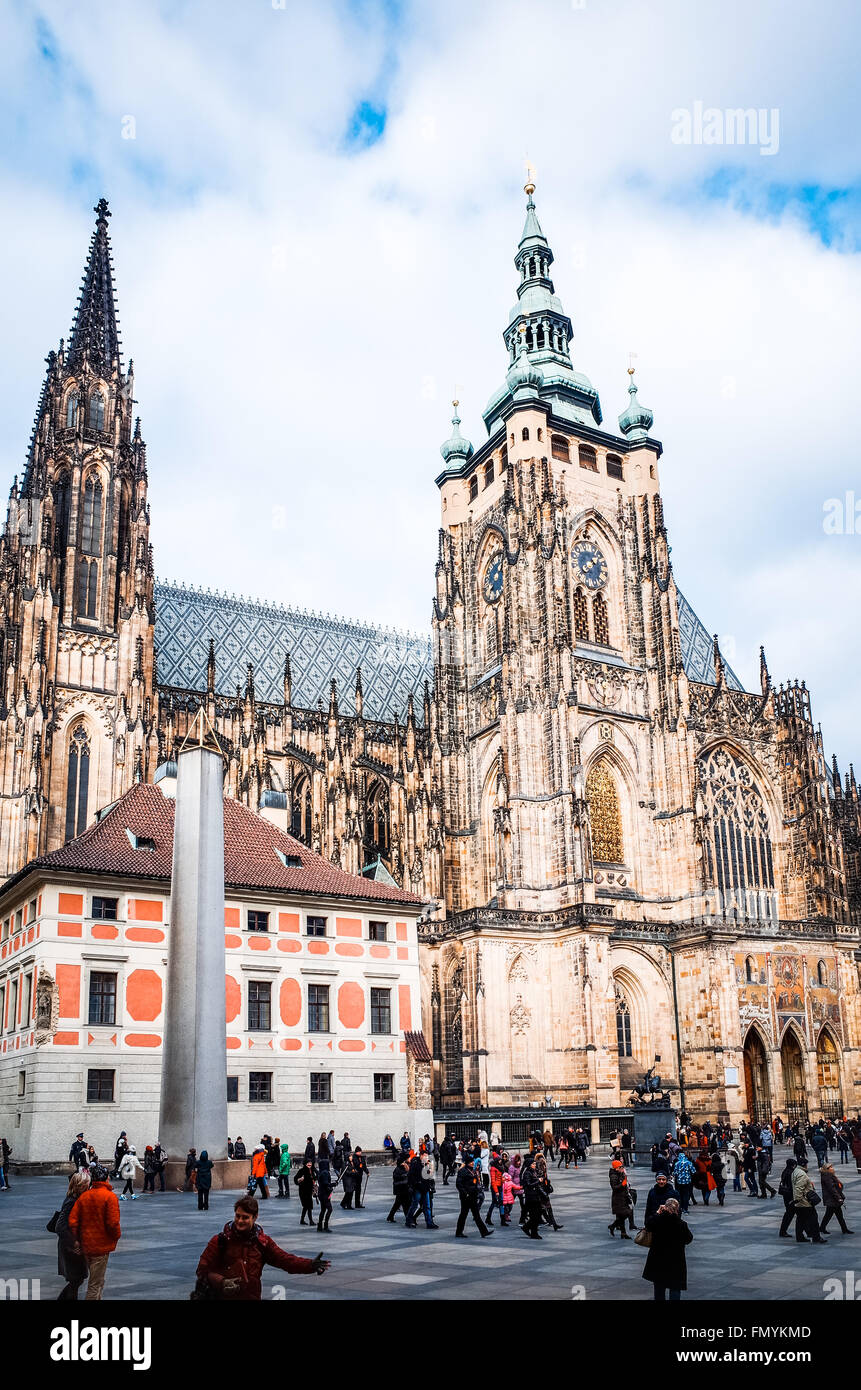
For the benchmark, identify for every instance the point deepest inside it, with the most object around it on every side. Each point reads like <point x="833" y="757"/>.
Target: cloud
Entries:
<point x="300" y="306"/>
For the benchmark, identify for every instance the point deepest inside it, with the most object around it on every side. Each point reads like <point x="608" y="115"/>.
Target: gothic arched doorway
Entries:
<point x="828" y="1076"/>
<point x="756" y="1079"/>
<point x="792" y="1067"/>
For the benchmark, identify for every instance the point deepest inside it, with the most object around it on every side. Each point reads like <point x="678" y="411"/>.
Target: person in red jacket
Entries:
<point x="94" y="1222"/>
<point x="231" y="1266"/>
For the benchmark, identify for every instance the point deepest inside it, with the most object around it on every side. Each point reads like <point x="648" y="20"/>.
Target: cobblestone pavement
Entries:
<point x="735" y="1253"/>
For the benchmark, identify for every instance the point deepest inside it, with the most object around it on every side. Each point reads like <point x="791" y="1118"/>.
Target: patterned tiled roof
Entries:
<point x="250" y="858"/>
<point x="698" y="648"/>
<point x="320" y="648"/>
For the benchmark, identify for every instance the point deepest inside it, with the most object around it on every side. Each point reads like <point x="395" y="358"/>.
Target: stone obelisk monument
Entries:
<point x="193" y="1109"/>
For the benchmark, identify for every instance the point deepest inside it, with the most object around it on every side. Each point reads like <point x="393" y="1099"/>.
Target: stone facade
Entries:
<point x="598" y="818"/>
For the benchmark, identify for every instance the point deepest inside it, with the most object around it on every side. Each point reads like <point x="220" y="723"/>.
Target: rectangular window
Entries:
<point x="18" y="916"/>
<point x="100" y="1086"/>
<point x="378" y="931"/>
<point x="260" y="1086"/>
<point x="2" y="1007"/>
<point x="28" y="999"/>
<point x="488" y="473"/>
<point x="105" y="909"/>
<point x="258" y="921"/>
<point x="321" y="1087"/>
<point x="384" y="1085"/>
<point x="315" y="926"/>
<point x="22" y="1083"/>
<point x="103" y="998"/>
<point x="381" y="1011"/>
<point x="13" y="1006"/>
<point x="5" y="927"/>
<point x="318" y="1008"/>
<point x="473" y="487"/>
<point x="31" y="910"/>
<point x="232" y="1089"/>
<point x="259" y="1006"/>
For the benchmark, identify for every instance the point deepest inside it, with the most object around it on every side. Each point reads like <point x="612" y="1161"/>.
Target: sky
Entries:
<point x="315" y="213"/>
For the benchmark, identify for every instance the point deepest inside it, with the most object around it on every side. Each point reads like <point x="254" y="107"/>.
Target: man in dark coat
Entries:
<point x="239" y="1150"/>
<point x="310" y="1154"/>
<point x="400" y="1187"/>
<point x="231" y="1266"/>
<point x="121" y="1148"/>
<point x="78" y="1147"/>
<point x="447" y="1155"/>
<point x="360" y="1173"/>
<point x="666" y="1266"/>
<point x="469" y="1189"/>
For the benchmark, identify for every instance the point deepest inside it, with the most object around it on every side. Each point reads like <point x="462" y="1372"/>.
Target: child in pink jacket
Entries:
<point x="510" y="1189"/>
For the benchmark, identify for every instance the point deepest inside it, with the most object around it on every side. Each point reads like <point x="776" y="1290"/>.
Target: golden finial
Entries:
<point x="529" y="186"/>
<point x="632" y="357"/>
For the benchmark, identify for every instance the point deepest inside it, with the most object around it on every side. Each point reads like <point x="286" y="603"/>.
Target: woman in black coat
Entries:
<point x="666" y="1266"/>
<point x="71" y="1264"/>
<point x="203" y="1171"/>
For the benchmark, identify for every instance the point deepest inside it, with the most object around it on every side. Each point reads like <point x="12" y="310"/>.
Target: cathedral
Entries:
<point x="624" y="857"/>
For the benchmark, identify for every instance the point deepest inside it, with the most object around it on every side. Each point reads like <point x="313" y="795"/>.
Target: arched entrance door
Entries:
<point x="828" y="1075"/>
<point x="756" y="1079"/>
<point x="792" y="1066"/>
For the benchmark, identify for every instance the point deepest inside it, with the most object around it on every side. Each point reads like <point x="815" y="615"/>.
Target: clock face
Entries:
<point x="493" y="578"/>
<point x="589" y="563"/>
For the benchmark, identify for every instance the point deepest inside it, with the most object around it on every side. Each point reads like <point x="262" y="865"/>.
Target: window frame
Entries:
<point x="233" y="1099"/>
<point x="106" y="969"/>
<point x="256" y="912"/>
<point x="309" y="918"/>
<point x="102" y="916"/>
<point x="262" y="1003"/>
<point x="320" y="1076"/>
<point x="254" y="1082"/>
<point x="318" y="1004"/>
<point x="376" y="924"/>
<point x="380" y="1076"/>
<point x="100" y="1072"/>
<point x="383" y="1011"/>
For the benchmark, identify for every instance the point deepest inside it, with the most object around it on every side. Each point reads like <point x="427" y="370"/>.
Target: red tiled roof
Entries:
<point x="417" y="1044"/>
<point x="250" y="860"/>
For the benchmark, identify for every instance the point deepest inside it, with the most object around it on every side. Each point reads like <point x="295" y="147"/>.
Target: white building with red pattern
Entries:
<point x="322" y="989"/>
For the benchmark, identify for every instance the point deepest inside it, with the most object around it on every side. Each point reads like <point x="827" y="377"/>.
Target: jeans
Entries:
<point x="685" y="1191"/>
<point x="419" y="1201"/>
<point x="495" y="1201"/>
<point x="203" y="1199"/>
<point x="750" y="1179"/>
<point x="283" y="1184"/>
<point x="662" y="1294"/>
<point x="149" y="1183"/>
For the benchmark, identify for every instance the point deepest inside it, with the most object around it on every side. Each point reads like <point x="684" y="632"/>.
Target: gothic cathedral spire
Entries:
<point x="76" y="602"/>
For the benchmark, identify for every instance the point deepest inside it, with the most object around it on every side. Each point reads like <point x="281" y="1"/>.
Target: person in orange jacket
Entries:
<point x="258" y="1171"/>
<point x="94" y="1222"/>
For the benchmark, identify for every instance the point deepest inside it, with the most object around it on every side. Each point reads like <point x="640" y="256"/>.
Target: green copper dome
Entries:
<point x="456" y="449"/>
<point x="637" y="420"/>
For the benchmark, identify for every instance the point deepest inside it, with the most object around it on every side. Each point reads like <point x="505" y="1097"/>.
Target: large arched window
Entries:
<point x="87" y="588"/>
<point x="623" y="1025"/>
<point x="600" y="621"/>
<point x="300" y="811"/>
<point x="452" y="1032"/>
<point x="377" y="824"/>
<point x="588" y="458"/>
<point x="71" y="409"/>
<point x="605" y="815"/>
<point x="91" y="522"/>
<point x="77" y="782"/>
<point x="96" y="412"/>
<point x="738" y="852"/>
<point x="488" y="866"/>
<point x="581" y="616"/>
<point x="828" y="1075"/>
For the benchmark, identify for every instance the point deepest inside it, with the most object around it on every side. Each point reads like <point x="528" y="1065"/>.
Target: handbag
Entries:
<point x="52" y="1224"/>
<point x="814" y="1198"/>
<point x="643" y="1237"/>
<point x="632" y="1195"/>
